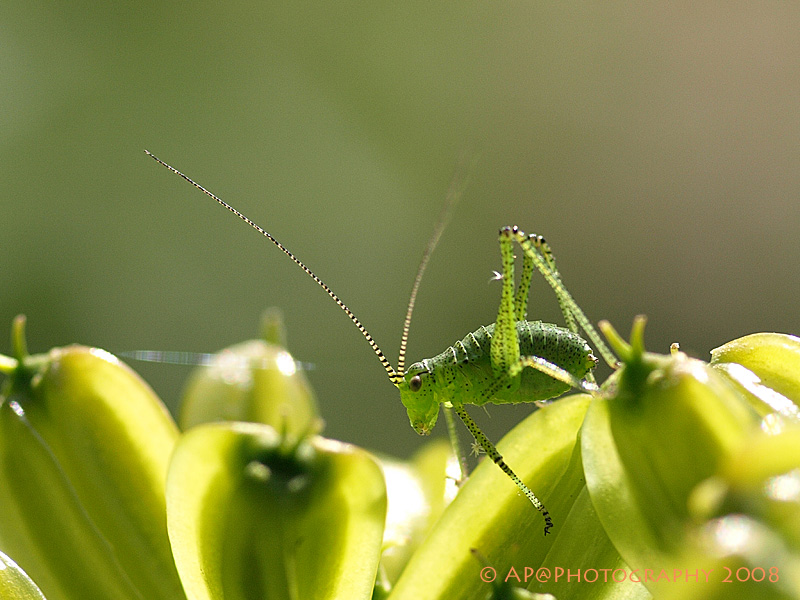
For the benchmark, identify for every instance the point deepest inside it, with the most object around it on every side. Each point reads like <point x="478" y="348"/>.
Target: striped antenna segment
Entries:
<point x="393" y="375"/>
<point x="458" y="184"/>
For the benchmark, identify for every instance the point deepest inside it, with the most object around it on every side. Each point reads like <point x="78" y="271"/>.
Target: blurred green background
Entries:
<point x="656" y="145"/>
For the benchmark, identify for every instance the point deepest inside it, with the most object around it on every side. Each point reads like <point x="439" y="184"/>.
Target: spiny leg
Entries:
<point x="541" y="249"/>
<point x="540" y="244"/>
<point x="505" y="355"/>
<point x="540" y="364"/>
<point x="523" y="288"/>
<point x="565" y="299"/>
<point x="504" y="349"/>
<point x="554" y="371"/>
<point x="504" y="380"/>
<point x="538" y="249"/>
<point x="497" y="458"/>
<point x="545" y="253"/>
<point x="513" y="306"/>
<point x="573" y="314"/>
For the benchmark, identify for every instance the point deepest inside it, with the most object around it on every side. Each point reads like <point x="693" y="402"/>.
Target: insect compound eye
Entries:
<point x="415" y="384"/>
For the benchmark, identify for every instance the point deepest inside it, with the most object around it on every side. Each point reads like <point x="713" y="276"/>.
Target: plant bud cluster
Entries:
<point x="681" y="475"/>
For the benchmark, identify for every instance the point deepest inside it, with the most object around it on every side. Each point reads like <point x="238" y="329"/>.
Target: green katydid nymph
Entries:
<point x="510" y="361"/>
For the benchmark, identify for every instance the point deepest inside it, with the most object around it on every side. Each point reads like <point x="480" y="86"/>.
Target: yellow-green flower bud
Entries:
<point x="256" y="381"/>
<point x="667" y="422"/>
<point x="762" y="480"/>
<point x="84" y="450"/>
<point x="765" y="367"/>
<point x="249" y="517"/>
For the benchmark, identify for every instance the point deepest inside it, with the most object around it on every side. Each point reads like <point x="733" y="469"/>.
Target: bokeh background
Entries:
<point x="656" y="145"/>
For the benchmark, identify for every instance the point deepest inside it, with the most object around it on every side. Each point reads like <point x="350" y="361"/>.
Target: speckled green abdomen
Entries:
<point x="464" y="370"/>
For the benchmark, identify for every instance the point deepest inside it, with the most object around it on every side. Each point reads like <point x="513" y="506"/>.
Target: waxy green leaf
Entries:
<point x="490" y="515"/>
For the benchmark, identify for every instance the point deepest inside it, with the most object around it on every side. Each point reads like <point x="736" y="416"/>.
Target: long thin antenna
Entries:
<point x="393" y="375"/>
<point x="458" y="184"/>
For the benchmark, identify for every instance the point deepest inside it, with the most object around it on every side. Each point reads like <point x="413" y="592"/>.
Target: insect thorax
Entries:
<point x="464" y="371"/>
